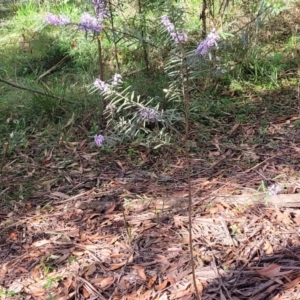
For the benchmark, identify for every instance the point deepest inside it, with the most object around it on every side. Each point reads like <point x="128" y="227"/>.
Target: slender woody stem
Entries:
<point x="186" y="99"/>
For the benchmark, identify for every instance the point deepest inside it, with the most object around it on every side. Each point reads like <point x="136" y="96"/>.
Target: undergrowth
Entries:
<point x="255" y="63"/>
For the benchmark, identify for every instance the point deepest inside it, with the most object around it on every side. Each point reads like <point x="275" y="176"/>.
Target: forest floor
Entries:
<point x="98" y="226"/>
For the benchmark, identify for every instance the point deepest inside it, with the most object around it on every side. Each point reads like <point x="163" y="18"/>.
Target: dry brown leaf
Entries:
<point x="40" y="243"/>
<point x="85" y="293"/>
<point x="162" y="285"/>
<point x="90" y="271"/>
<point x="67" y="284"/>
<point x="270" y="271"/>
<point x="151" y="281"/>
<point x="146" y="295"/>
<point x="107" y="282"/>
<point x="103" y="283"/>
<point x="141" y="272"/>
<point x="124" y="284"/>
<point x="199" y="286"/>
<point x="268" y="248"/>
<point x="13" y="236"/>
<point x="111" y="208"/>
<point x="119" y="265"/>
<point x="16" y="287"/>
<point x="291" y="284"/>
<point x="234" y="128"/>
<point x="59" y="195"/>
<point x="297" y="220"/>
<point x="181" y="294"/>
<point x="180" y="194"/>
<point x="22" y="270"/>
<point x="35" y="291"/>
<point x="282" y="217"/>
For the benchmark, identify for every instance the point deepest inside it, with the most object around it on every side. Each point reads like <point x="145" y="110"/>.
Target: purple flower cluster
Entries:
<point x="101" y="85"/>
<point x="89" y="24"/>
<point x="57" y="20"/>
<point x="274" y="189"/>
<point x="149" y="114"/>
<point x="99" y="139"/>
<point x="100" y="10"/>
<point x="209" y="42"/>
<point x="117" y="79"/>
<point x="178" y="37"/>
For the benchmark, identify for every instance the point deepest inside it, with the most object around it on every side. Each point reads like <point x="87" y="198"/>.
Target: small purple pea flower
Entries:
<point x="89" y="24"/>
<point x="178" y="37"/>
<point x="116" y="79"/>
<point x="209" y="42"/>
<point x="274" y="189"/>
<point x="57" y="20"/>
<point x="101" y="12"/>
<point x="149" y="114"/>
<point x="101" y="85"/>
<point x="99" y="139"/>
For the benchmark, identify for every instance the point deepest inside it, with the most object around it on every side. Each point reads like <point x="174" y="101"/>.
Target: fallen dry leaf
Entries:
<point x="181" y="294"/>
<point x="91" y="270"/>
<point x="141" y="272"/>
<point x="270" y="271"/>
<point x="291" y="284"/>
<point x="162" y="285"/>
<point x="151" y="281"/>
<point x="85" y="293"/>
<point x="40" y="243"/>
<point x="106" y="282"/>
<point x="119" y="265"/>
<point x="268" y="247"/>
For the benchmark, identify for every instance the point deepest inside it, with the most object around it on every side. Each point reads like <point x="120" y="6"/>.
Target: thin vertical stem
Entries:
<point x="144" y="44"/>
<point x="114" y="34"/>
<point x="186" y="99"/>
<point x="203" y="18"/>
<point x="100" y="59"/>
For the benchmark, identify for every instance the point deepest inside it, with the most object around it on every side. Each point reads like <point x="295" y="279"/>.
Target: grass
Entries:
<point x="256" y="74"/>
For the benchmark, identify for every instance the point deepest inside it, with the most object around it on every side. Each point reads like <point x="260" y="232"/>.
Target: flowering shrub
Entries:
<point x="178" y="37"/>
<point x="210" y="41"/>
<point x="129" y="116"/>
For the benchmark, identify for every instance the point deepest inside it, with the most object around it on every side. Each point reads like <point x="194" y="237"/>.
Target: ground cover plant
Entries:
<point x="149" y="150"/>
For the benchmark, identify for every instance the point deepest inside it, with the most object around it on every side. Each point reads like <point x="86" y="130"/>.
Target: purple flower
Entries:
<point x="167" y="23"/>
<point x="149" y="114"/>
<point x="89" y="24"/>
<point x="117" y="79"/>
<point x="178" y="37"/>
<point x="101" y="85"/>
<point x="100" y="10"/>
<point x="57" y="20"/>
<point x="99" y="139"/>
<point x="274" y="189"/>
<point x="209" y="42"/>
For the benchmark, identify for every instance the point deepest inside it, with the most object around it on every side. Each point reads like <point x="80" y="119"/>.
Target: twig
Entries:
<point x="91" y="287"/>
<point x="52" y="68"/>
<point x="219" y="276"/>
<point x="13" y="84"/>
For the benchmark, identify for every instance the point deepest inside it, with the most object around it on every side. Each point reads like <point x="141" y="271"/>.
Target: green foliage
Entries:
<point x="254" y="52"/>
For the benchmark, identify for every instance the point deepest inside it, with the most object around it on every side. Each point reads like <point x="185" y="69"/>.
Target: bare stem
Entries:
<point x="101" y="71"/>
<point x="114" y="34"/>
<point x="186" y="99"/>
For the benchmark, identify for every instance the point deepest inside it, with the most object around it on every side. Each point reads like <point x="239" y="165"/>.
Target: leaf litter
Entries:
<point x="97" y="229"/>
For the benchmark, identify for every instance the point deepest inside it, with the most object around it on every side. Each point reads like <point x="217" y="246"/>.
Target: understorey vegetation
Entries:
<point x="157" y="99"/>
